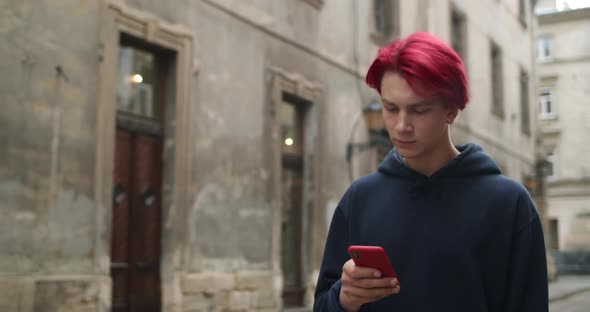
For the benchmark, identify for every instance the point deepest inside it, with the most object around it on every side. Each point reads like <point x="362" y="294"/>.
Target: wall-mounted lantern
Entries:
<point x="375" y="125"/>
<point x="533" y="182"/>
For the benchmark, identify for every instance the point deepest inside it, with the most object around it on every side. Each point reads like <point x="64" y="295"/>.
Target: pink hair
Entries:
<point x="429" y="66"/>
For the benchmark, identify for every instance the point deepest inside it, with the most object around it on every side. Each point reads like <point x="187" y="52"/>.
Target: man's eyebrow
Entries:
<point x="421" y="103"/>
<point x="386" y="101"/>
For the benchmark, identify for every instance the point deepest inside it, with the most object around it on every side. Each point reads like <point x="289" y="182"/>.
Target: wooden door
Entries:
<point x="135" y="241"/>
<point x="291" y="232"/>
<point x="292" y="146"/>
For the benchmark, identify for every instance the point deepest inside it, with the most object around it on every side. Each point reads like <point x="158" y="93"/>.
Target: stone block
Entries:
<point x="241" y="300"/>
<point x="266" y="299"/>
<point x="253" y="280"/>
<point x="208" y="283"/>
<point x="10" y="295"/>
<point x="65" y="296"/>
<point x="221" y="300"/>
<point x="197" y="303"/>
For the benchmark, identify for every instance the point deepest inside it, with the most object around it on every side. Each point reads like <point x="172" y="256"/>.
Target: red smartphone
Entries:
<point x="372" y="257"/>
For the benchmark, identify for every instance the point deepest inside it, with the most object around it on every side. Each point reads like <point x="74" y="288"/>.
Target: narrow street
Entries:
<point x="570" y="293"/>
<point x="576" y="303"/>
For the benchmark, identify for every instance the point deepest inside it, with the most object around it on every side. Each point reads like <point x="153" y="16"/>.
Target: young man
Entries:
<point x="460" y="236"/>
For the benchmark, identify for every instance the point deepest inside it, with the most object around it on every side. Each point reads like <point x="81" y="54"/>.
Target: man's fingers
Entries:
<point x="362" y="285"/>
<point x="359" y="272"/>
<point x="376" y="282"/>
<point x="369" y="294"/>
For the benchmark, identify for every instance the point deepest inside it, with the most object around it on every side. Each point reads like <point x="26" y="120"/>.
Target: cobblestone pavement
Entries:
<point x="576" y="303"/>
<point x="570" y="294"/>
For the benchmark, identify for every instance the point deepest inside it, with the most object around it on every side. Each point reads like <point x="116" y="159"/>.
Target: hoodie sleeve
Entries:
<point x="527" y="282"/>
<point x="335" y="255"/>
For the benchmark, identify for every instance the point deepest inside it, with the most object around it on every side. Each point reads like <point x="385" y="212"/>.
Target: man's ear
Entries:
<point x="451" y="115"/>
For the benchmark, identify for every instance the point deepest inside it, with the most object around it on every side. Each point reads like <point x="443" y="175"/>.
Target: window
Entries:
<point x="551" y="165"/>
<point x="459" y="34"/>
<point x="496" y="78"/>
<point x="547" y="105"/>
<point x="136" y="82"/>
<point x="553" y="243"/>
<point x="522" y="12"/>
<point x="503" y="167"/>
<point x="545" y="48"/>
<point x="316" y="3"/>
<point x="383" y="17"/>
<point x="525" y="114"/>
<point x="292" y="117"/>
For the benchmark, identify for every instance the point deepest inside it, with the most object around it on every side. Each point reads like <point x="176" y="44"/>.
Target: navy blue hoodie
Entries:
<point x="464" y="239"/>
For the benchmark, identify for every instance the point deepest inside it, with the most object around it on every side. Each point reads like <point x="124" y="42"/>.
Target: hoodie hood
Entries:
<point x="472" y="161"/>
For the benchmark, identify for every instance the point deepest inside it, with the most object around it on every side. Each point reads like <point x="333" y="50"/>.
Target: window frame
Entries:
<point x="525" y="105"/>
<point x="522" y="16"/>
<point x="552" y="159"/>
<point x="496" y="80"/>
<point x="459" y="25"/>
<point x="385" y="29"/>
<point x="541" y="41"/>
<point x="547" y="93"/>
<point x="553" y="234"/>
<point x="383" y="36"/>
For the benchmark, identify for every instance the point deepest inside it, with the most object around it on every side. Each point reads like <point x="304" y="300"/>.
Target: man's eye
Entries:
<point x="391" y="109"/>
<point x="420" y="111"/>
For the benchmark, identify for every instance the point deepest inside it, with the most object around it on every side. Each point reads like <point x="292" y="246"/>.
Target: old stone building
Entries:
<point x="187" y="155"/>
<point x="564" y="86"/>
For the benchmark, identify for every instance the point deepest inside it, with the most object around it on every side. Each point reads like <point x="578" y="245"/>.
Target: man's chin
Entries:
<point x="406" y="154"/>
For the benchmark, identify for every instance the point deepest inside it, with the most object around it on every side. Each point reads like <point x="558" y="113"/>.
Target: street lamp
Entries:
<point x="375" y="125"/>
<point x="534" y="181"/>
<point x="373" y="117"/>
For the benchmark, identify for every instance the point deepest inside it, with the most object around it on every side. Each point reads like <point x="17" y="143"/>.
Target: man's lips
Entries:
<point x="404" y="141"/>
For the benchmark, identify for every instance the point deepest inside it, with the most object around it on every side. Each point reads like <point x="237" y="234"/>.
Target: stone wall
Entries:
<point x="82" y="294"/>
<point x="238" y="291"/>
<point x="221" y="214"/>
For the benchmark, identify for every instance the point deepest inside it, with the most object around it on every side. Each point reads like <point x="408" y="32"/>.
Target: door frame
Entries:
<point x="116" y="18"/>
<point x="296" y="161"/>
<point x="284" y="82"/>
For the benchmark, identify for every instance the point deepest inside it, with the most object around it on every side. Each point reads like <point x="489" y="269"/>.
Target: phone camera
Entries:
<point x="354" y="255"/>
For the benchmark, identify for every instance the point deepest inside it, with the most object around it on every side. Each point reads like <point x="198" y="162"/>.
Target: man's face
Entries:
<point x="416" y="126"/>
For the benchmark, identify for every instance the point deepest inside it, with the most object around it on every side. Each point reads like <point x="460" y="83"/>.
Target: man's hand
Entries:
<point x="363" y="285"/>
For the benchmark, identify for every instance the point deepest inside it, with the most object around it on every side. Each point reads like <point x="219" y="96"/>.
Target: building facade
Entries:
<point x="564" y="80"/>
<point x="188" y="155"/>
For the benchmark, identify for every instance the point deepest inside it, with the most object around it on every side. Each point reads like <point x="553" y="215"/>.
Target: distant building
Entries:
<point x="563" y="55"/>
<point x="188" y="155"/>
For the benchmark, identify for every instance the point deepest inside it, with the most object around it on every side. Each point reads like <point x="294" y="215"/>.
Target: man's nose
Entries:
<point x="404" y="123"/>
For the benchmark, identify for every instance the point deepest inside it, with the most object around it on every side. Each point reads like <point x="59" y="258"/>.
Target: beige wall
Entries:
<point x="502" y="138"/>
<point x="568" y="74"/>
